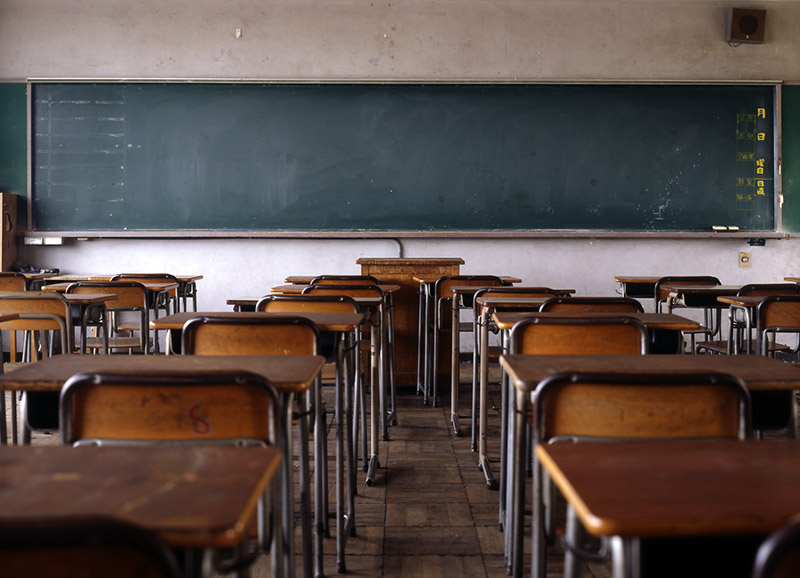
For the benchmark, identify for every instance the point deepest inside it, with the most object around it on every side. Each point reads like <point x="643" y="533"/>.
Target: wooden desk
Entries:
<point x="761" y="375"/>
<point x="667" y="321"/>
<point x="675" y="488"/>
<point x="291" y="375"/>
<point x="187" y="284"/>
<point x="698" y="296"/>
<point x="3" y="422"/>
<point x="191" y="497"/>
<point x="638" y="286"/>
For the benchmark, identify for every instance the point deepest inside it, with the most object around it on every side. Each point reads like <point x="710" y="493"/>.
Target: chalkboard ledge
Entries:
<point x="483" y="234"/>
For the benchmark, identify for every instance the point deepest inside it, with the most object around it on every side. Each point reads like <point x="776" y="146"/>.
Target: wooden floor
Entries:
<point x="429" y="512"/>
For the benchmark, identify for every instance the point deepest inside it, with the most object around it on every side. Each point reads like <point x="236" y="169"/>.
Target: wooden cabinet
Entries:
<point x="8" y="231"/>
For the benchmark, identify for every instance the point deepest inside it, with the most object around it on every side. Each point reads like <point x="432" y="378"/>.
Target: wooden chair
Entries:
<point x="161" y="300"/>
<point x="494" y="351"/>
<point x="118" y="332"/>
<point x="779" y="554"/>
<point x="739" y="340"/>
<point x="235" y="408"/>
<point x="557" y="336"/>
<point x="441" y="316"/>
<point x="12" y="282"/>
<point x="84" y="547"/>
<point x="340" y="352"/>
<point x="711" y="318"/>
<point x="381" y="319"/>
<point x="579" y="335"/>
<point x="582" y="407"/>
<point x="47" y="314"/>
<point x="280" y="335"/>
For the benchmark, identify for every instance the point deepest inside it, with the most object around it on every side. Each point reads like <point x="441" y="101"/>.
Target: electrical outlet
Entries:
<point x="744" y="259"/>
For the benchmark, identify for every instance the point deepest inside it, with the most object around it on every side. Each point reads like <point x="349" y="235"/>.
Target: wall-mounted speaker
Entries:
<point x="746" y="25"/>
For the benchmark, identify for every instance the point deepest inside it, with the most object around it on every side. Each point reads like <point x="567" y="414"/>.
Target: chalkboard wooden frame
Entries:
<point x="606" y="226"/>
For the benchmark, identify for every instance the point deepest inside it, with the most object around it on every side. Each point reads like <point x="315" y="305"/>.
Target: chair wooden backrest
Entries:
<point x="345" y="280"/>
<point x="517" y="292"/>
<point x="779" y="554"/>
<point x="307" y="303"/>
<point x="154" y="278"/>
<point x="443" y="288"/>
<point x="579" y="335"/>
<point x="590" y="304"/>
<point x="39" y="311"/>
<point x="148" y="278"/>
<point x="11" y="281"/>
<point x="176" y="406"/>
<point x="350" y="290"/>
<point x="86" y="547"/>
<point x="184" y="407"/>
<point x="132" y="297"/>
<point x="777" y="314"/>
<point x="220" y="335"/>
<point x="580" y="405"/>
<point x="661" y="294"/>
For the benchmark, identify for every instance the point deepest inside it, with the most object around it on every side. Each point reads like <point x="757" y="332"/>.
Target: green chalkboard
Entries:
<point x="403" y="157"/>
<point x="790" y="136"/>
<point x="13" y="139"/>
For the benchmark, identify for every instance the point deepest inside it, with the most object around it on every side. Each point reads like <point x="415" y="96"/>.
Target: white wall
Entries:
<point x="240" y="267"/>
<point x="400" y="40"/>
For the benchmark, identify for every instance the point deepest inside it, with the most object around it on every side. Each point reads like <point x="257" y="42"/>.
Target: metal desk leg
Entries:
<point x="625" y="557"/>
<point x="305" y="479"/>
<point x="454" y="366"/>
<point x="421" y="340"/>
<point x="375" y="392"/>
<point x="483" y="460"/>
<point x="517" y="468"/>
<point x="341" y="535"/>
<point x="390" y="344"/>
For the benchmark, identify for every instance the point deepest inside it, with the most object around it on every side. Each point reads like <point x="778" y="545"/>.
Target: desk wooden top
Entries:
<point x="89" y="298"/>
<point x="190" y="496"/>
<point x="756" y="371"/>
<point x="670" y="321"/>
<point x="291" y="373"/>
<point x="678" y="488"/>
<point x="508" y="303"/>
<point x="637" y="278"/>
<point x="83" y="298"/>
<point x="295" y="289"/>
<point x="679" y="289"/>
<point x="324" y="321"/>
<point x="253" y="301"/>
<point x="741" y="300"/>
<point x="101" y="277"/>
<point x="152" y="287"/>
